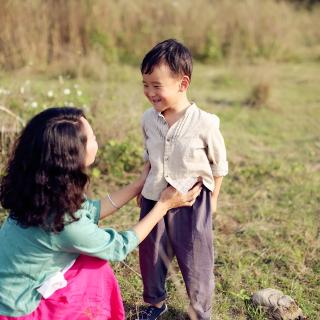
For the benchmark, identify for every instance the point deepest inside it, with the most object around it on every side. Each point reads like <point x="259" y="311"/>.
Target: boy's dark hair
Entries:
<point x="172" y="53"/>
<point x="45" y="177"/>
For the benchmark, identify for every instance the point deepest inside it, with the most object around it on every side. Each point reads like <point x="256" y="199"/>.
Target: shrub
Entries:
<point x="120" y="159"/>
<point x="117" y="31"/>
<point x="259" y="95"/>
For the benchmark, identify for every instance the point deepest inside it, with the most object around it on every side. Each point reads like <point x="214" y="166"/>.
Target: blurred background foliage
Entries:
<point x="73" y="32"/>
<point x="256" y="67"/>
<point x="87" y="51"/>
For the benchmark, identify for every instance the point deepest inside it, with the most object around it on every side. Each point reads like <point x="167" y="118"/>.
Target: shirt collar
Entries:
<point x="191" y="108"/>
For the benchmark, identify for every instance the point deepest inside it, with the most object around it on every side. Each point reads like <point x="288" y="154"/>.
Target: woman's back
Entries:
<point x="28" y="256"/>
<point x="32" y="255"/>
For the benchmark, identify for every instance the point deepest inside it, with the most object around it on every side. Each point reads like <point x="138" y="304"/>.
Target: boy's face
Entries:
<point x="162" y="88"/>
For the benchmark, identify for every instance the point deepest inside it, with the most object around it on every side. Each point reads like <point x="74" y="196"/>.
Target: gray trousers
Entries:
<point x="186" y="233"/>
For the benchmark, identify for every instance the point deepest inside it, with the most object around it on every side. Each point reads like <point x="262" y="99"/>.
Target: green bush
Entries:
<point x="119" y="159"/>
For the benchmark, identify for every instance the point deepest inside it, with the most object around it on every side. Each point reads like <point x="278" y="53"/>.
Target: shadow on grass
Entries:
<point x="172" y="314"/>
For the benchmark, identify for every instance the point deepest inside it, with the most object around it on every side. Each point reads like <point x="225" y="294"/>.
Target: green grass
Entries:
<point x="267" y="229"/>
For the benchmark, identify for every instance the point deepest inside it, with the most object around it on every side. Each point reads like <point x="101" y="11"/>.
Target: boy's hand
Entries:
<point x="145" y="171"/>
<point x="215" y="194"/>
<point x="214" y="204"/>
<point x="138" y="199"/>
<point x="142" y="179"/>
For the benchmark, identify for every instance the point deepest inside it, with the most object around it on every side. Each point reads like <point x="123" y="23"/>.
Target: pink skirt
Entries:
<point x="92" y="293"/>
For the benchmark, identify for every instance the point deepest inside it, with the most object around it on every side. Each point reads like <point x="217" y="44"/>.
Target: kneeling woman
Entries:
<point x="53" y="254"/>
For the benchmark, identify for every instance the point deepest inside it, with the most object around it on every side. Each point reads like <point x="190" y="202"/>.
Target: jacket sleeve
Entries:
<point x="86" y="237"/>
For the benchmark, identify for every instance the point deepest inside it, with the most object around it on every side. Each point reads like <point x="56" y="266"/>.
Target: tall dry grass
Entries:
<point x="38" y="32"/>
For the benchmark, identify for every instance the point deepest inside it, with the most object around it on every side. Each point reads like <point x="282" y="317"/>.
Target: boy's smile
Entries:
<point x="163" y="89"/>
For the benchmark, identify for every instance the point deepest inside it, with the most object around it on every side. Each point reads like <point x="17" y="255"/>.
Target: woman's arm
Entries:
<point x="86" y="237"/>
<point x="124" y="195"/>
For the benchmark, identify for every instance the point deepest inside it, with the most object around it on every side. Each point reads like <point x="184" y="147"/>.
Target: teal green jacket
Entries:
<point x="29" y="256"/>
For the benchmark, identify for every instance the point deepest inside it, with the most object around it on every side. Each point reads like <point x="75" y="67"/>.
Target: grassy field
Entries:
<point x="267" y="229"/>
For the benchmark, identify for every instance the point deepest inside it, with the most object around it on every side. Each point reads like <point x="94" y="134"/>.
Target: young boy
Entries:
<point x="182" y="142"/>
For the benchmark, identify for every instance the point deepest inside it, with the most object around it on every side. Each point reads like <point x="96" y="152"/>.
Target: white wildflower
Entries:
<point x="66" y="91"/>
<point x="34" y="104"/>
<point x="79" y="93"/>
<point x="50" y="94"/>
<point x="4" y="91"/>
<point x="22" y="90"/>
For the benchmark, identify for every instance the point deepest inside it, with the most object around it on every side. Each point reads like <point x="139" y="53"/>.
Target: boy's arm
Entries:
<point x="145" y="156"/>
<point x="215" y="193"/>
<point x="217" y="157"/>
<point x="144" y="134"/>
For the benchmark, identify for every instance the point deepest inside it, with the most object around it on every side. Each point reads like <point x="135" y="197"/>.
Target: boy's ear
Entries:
<point x="184" y="84"/>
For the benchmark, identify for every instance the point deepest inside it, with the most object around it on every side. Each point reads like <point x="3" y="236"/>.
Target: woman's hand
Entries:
<point x="170" y="198"/>
<point x="174" y="199"/>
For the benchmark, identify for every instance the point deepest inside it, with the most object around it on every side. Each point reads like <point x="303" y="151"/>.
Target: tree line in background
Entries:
<point x="305" y="3"/>
<point x="40" y="32"/>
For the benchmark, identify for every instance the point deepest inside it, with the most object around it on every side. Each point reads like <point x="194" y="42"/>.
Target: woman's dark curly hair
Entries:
<point x="45" y="178"/>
